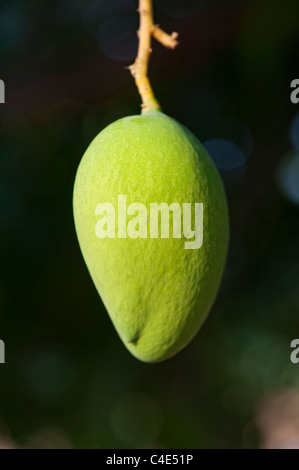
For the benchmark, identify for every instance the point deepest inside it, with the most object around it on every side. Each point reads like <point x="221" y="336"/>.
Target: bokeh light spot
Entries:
<point x="226" y="154"/>
<point x="294" y="131"/>
<point x="136" y="419"/>
<point x="117" y="37"/>
<point x="14" y="27"/>
<point x="49" y="375"/>
<point x="48" y="438"/>
<point x="288" y="177"/>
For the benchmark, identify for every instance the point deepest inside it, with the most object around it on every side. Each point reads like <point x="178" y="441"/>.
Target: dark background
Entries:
<point x="68" y="381"/>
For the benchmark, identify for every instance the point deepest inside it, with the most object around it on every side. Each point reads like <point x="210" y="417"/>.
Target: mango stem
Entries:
<point x="139" y="69"/>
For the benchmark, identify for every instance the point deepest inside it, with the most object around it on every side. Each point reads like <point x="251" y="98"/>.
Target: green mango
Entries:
<point x="157" y="291"/>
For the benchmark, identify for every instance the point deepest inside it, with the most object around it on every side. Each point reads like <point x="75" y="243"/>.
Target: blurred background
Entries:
<point x="68" y="381"/>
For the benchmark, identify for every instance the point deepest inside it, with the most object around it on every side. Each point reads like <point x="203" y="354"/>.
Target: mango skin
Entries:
<point x="157" y="293"/>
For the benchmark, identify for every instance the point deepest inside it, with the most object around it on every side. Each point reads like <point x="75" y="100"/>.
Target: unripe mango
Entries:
<point x="156" y="291"/>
